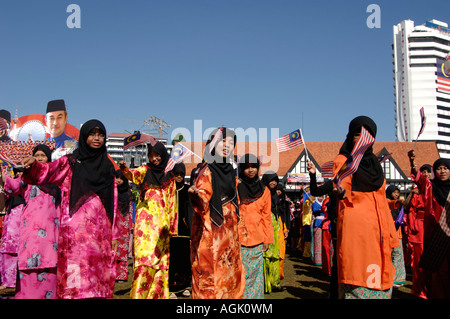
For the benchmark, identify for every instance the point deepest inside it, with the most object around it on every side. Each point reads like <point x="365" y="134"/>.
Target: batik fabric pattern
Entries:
<point x="254" y="272"/>
<point x="272" y="273"/>
<point x="86" y="265"/>
<point x="156" y="221"/>
<point x="217" y="268"/>
<point x="38" y="241"/>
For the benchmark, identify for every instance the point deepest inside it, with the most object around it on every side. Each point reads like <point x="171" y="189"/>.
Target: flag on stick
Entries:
<point x="351" y="164"/>
<point x="179" y="153"/>
<point x="137" y="139"/>
<point x="215" y="139"/>
<point x="289" y="141"/>
<point x="6" y="161"/>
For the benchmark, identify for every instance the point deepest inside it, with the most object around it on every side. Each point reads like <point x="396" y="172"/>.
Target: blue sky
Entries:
<point x="283" y="64"/>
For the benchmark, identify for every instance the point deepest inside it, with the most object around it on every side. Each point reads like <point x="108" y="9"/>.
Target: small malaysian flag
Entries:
<point x="298" y="178"/>
<point x="215" y="139"/>
<point x="6" y="161"/>
<point x="136" y="139"/>
<point x="351" y="164"/>
<point x="289" y="141"/>
<point x="423" y="120"/>
<point x="327" y="170"/>
<point x="384" y="158"/>
<point x="179" y="153"/>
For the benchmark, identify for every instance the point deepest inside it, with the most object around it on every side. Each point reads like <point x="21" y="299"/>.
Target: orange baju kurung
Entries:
<point x="217" y="268"/>
<point x="366" y="236"/>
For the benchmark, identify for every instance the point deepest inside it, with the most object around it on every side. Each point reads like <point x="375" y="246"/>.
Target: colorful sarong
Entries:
<point x="317" y="256"/>
<point x="252" y="258"/>
<point x="355" y="292"/>
<point x="399" y="264"/>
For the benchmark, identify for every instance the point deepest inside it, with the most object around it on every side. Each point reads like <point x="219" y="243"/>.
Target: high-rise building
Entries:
<point x="418" y="54"/>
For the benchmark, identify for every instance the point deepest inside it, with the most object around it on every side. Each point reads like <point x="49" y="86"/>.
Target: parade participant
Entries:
<point x="329" y="253"/>
<point x="415" y="213"/>
<point x="125" y="220"/>
<point x="217" y="269"/>
<point x="88" y="230"/>
<point x="10" y="235"/>
<point x="180" y="260"/>
<point x="38" y="234"/>
<point x="435" y="259"/>
<point x="272" y="273"/>
<point x="365" y="232"/>
<point x="393" y="193"/>
<point x="255" y="210"/>
<point x="155" y="222"/>
<point x="283" y="207"/>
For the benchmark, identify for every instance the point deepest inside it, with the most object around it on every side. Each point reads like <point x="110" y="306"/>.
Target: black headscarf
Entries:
<point x="123" y="189"/>
<point x="249" y="189"/>
<point x="124" y="194"/>
<point x="369" y="177"/>
<point x="223" y="178"/>
<point x="391" y="189"/>
<point x="155" y="174"/>
<point x="93" y="172"/>
<point x="50" y="189"/>
<point x="177" y="169"/>
<point x="266" y="179"/>
<point x="440" y="188"/>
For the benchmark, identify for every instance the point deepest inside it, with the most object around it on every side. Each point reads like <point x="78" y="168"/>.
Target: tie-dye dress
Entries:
<point x="86" y="263"/>
<point x="217" y="268"/>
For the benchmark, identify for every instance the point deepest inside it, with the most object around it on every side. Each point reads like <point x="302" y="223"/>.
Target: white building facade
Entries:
<point x="418" y="53"/>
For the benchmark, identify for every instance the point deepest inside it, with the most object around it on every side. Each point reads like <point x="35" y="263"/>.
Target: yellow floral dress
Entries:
<point x="155" y="222"/>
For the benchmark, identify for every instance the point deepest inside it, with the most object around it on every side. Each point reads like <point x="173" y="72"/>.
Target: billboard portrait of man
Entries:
<point x="56" y="120"/>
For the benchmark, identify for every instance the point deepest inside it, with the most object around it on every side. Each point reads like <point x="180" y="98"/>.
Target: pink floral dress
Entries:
<point x="86" y="263"/>
<point x="37" y="242"/>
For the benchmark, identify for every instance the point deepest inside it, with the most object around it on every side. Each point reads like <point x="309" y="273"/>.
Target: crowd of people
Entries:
<point x="17" y="150"/>
<point x="71" y="224"/>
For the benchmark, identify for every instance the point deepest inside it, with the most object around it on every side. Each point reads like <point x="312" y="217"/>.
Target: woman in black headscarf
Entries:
<point x="393" y="194"/>
<point x="365" y="232"/>
<point x="255" y="211"/>
<point x="155" y="222"/>
<point x="87" y="239"/>
<point x="272" y="272"/>
<point x="180" y="260"/>
<point x="435" y="259"/>
<point x="38" y="235"/>
<point x="217" y="269"/>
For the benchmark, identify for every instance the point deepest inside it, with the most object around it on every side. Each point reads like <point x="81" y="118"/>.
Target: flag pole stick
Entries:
<point x="304" y="143"/>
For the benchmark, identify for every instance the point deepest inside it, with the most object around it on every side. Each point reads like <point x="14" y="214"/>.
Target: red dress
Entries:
<point x="437" y="283"/>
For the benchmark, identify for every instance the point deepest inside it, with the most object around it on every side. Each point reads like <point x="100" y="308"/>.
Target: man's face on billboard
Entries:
<point x="56" y="122"/>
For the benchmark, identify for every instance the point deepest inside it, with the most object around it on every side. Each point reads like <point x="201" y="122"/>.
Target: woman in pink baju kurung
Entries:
<point x="38" y="234"/>
<point x="10" y="241"/>
<point x="88" y="231"/>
